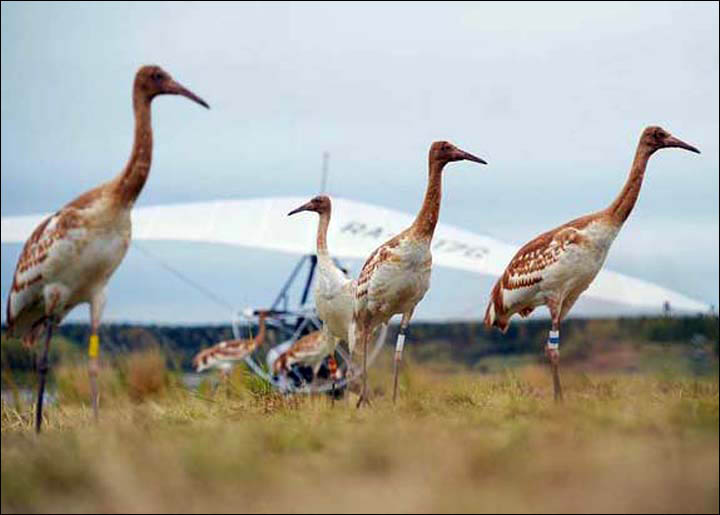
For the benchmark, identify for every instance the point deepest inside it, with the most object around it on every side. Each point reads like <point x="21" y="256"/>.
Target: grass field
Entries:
<point x="454" y="442"/>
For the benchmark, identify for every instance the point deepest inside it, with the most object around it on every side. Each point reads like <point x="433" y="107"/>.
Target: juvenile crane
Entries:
<point x="69" y="258"/>
<point x="222" y="355"/>
<point x="310" y="350"/>
<point x="557" y="266"/>
<point x="396" y="276"/>
<point x="334" y="290"/>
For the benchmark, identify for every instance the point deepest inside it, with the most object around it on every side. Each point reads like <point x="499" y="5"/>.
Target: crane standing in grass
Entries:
<point x="557" y="266"/>
<point x="70" y="257"/>
<point x="396" y="276"/>
<point x="334" y="290"/>
<point x="222" y="355"/>
<point x="310" y="350"/>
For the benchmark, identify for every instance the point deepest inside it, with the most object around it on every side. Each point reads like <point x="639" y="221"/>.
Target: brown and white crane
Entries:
<point x="396" y="276"/>
<point x="225" y="354"/>
<point x="310" y="350"/>
<point x="69" y="258"/>
<point x="557" y="266"/>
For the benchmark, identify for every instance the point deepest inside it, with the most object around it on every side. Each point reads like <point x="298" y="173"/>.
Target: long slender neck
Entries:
<point x="427" y="218"/>
<point x="623" y="205"/>
<point x="131" y="180"/>
<point x="322" y="230"/>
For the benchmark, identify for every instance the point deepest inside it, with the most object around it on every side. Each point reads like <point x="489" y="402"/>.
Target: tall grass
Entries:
<point x="455" y="442"/>
<point x="139" y="376"/>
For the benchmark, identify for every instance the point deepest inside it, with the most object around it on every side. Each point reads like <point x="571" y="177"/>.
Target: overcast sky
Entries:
<point x="554" y="96"/>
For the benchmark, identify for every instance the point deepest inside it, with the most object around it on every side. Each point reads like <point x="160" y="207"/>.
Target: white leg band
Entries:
<point x="400" y="344"/>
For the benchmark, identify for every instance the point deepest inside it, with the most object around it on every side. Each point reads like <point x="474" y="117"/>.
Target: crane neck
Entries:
<point x="322" y="229"/>
<point x="624" y="203"/>
<point x="132" y="179"/>
<point x="427" y="218"/>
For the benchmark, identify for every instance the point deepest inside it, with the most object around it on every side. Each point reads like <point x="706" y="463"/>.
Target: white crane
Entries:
<point x="334" y="290"/>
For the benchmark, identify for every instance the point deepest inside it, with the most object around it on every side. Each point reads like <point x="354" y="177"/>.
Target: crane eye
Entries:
<point x="157" y="76"/>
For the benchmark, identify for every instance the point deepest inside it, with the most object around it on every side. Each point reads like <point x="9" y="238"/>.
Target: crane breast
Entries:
<point x="398" y="283"/>
<point x="334" y="300"/>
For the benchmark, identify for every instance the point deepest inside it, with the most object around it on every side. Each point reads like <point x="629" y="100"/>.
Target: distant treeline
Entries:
<point x="466" y="342"/>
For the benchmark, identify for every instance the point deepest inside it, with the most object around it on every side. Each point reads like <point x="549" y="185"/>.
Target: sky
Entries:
<point x="552" y="95"/>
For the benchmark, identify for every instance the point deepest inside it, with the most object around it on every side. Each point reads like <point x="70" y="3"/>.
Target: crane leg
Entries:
<point x="552" y="348"/>
<point x="42" y="372"/>
<point x="399" y="345"/>
<point x="333" y="369"/>
<point x="350" y="371"/>
<point x="553" y="353"/>
<point x="97" y="305"/>
<point x="93" y="369"/>
<point x="364" y="397"/>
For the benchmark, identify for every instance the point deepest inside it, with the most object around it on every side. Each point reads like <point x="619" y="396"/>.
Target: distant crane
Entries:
<point x="396" y="276"/>
<point x="557" y="266"/>
<point x="71" y="255"/>
<point x="224" y="354"/>
<point x="310" y="350"/>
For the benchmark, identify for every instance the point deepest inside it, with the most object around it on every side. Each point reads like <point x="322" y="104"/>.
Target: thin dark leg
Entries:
<point x="556" y="382"/>
<point x="42" y="371"/>
<point x="364" y="398"/>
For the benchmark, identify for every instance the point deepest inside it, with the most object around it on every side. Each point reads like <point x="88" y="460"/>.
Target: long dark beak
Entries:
<point x="178" y="89"/>
<point x="304" y="207"/>
<point x="467" y="156"/>
<point x="672" y="141"/>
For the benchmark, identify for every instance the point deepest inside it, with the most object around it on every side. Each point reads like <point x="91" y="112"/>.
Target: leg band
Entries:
<point x="400" y="343"/>
<point x="553" y="340"/>
<point x="94" y="346"/>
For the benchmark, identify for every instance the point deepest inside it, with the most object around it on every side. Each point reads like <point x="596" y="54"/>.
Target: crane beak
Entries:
<point x="174" y="88"/>
<point x="672" y="141"/>
<point x="304" y="207"/>
<point x="467" y="156"/>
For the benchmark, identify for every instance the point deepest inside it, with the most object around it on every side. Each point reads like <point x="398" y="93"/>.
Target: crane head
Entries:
<point x="151" y="81"/>
<point x="654" y="138"/>
<point x="320" y="204"/>
<point x="446" y="152"/>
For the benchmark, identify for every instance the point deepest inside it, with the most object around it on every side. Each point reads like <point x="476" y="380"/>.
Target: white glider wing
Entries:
<point x="355" y="231"/>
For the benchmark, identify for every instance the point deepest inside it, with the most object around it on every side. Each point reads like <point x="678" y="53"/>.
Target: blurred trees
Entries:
<point x="466" y="342"/>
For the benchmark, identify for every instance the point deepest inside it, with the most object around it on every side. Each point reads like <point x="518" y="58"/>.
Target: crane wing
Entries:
<point x="377" y="273"/>
<point x="533" y="260"/>
<point x="45" y="247"/>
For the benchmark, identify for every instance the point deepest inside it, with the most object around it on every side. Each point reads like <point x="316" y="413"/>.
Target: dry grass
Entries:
<point x="455" y="442"/>
<point x="138" y="376"/>
<point x="146" y="374"/>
